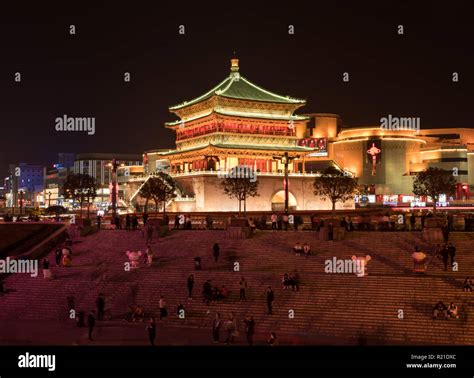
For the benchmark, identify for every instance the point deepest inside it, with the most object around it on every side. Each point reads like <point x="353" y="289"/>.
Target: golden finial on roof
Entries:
<point x="234" y="63"/>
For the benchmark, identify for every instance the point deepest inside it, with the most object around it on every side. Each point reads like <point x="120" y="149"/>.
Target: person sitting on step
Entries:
<point x="295" y="280"/>
<point x="223" y="293"/>
<point x="297" y="249"/>
<point x="467" y="285"/>
<point x="292" y="281"/>
<point x="453" y="311"/>
<point x="130" y="313"/>
<point x="306" y="249"/>
<point x="440" y="307"/>
<point x="138" y="314"/>
<point x="286" y="281"/>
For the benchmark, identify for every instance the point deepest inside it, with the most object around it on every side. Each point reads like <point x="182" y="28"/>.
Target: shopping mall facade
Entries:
<point x="238" y="123"/>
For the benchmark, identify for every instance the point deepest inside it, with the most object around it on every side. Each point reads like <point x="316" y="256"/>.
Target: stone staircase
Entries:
<point x="342" y="306"/>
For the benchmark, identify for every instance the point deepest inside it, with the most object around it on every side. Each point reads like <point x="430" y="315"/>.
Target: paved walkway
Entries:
<point x="116" y="333"/>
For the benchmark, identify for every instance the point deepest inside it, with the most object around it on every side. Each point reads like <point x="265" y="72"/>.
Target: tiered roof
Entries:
<point x="238" y="87"/>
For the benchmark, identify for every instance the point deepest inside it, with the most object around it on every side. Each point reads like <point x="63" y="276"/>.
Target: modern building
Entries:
<point x="238" y="123"/>
<point x="65" y="160"/>
<point x="25" y="182"/>
<point x="55" y="178"/>
<point x="100" y="167"/>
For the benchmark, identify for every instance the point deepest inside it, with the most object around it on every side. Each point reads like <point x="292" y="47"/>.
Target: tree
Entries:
<point x="432" y="182"/>
<point x="145" y="192"/>
<point x="335" y="185"/>
<point x="80" y="188"/>
<point x="159" y="188"/>
<point x="240" y="188"/>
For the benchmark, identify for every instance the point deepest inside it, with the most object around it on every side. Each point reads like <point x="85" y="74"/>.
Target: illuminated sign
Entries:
<point x="318" y="144"/>
<point x="390" y="200"/>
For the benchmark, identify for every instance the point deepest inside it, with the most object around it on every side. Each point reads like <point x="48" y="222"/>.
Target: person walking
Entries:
<point x="207" y="292"/>
<point x="99" y="222"/>
<point x="118" y="223"/>
<point x="285" y="221"/>
<point x="250" y="329"/>
<point x="145" y="218"/>
<point x="149" y="255"/>
<point x="127" y="222"/>
<point x="451" y="252"/>
<point x="58" y="254"/>
<point x="215" y="251"/>
<point x="91" y="324"/>
<point x="412" y="222"/>
<point x="445" y="231"/>
<point x="71" y="302"/>
<point x="296" y="280"/>
<point x="243" y="287"/>
<point x="190" y="285"/>
<point x="274" y="219"/>
<point x="162" y="306"/>
<point x="100" y="303"/>
<point x="216" y="326"/>
<point x="445" y="255"/>
<point x="46" y="271"/>
<point x="149" y="233"/>
<point x="270" y="299"/>
<point x="330" y="231"/>
<point x="231" y="328"/>
<point x="151" y="329"/>
<point x="134" y="222"/>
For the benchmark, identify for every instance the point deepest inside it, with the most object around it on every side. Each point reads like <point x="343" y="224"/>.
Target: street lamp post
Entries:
<point x="285" y="160"/>
<point x="21" y="201"/>
<point x="49" y="198"/>
<point x="13" y="186"/>
<point x="114" y="166"/>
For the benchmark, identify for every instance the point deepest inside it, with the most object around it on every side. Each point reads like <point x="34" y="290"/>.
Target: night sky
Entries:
<point x="82" y="75"/>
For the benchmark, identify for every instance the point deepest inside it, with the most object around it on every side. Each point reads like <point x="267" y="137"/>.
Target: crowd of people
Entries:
<point x="213" y="293"/>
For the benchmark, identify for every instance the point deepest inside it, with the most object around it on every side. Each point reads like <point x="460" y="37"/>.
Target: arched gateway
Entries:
<point x="278" y="201"/>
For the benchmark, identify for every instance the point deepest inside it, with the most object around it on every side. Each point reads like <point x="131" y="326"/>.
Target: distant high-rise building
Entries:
<point x="27" y="179"/>
<point x="65" y="160"/>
